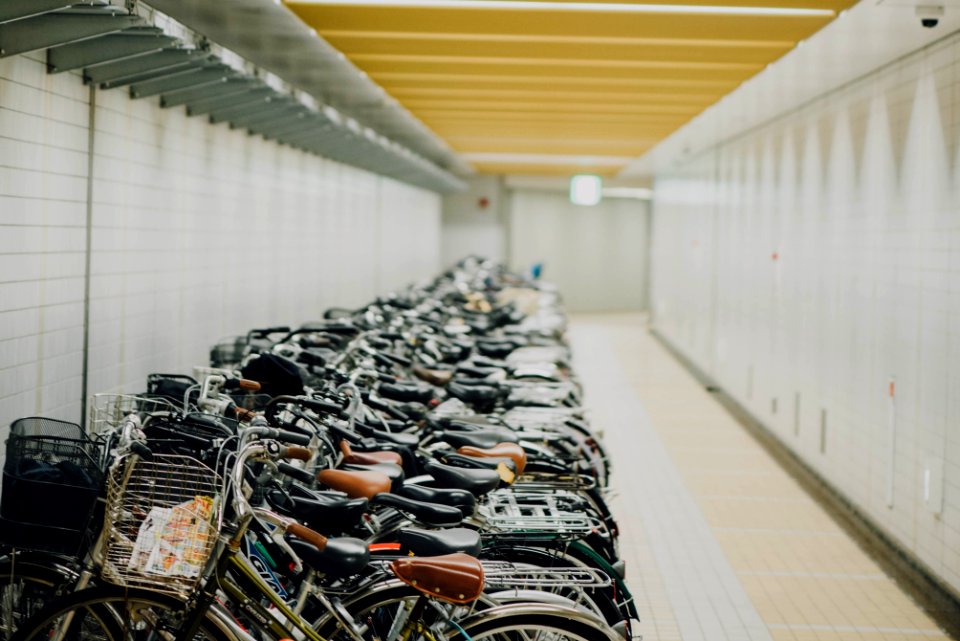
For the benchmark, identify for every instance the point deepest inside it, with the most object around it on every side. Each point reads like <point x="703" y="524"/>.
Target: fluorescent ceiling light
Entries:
<point x="593" y="7"/>
<point x="586" y="189"/>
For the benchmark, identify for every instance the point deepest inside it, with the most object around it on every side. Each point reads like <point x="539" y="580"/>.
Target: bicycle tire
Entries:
<point x="28" y="581"/>
<point x="365" y="607"/>
<point x="517" y="624"/>
<point x="113" y="613"/>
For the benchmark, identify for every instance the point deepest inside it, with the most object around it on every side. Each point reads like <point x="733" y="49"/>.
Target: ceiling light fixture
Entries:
<point x="586" y="189"/>
<point x="593" y="7"/>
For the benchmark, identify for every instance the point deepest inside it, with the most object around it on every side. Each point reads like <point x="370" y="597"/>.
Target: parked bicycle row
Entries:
<point x="419" y="468"/>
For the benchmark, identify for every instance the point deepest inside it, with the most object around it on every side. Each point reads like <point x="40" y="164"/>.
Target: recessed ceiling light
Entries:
<point x="594" y="7"/>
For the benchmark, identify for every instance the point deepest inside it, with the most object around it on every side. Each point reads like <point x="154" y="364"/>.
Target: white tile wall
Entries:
<point x="199" y="232"/>
<point x="43" y="160"/>
<point x="810" y="262"/>
<point x="596" y="255"/>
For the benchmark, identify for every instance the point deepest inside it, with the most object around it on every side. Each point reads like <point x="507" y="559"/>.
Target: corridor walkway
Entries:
<point x="720" y="543"/>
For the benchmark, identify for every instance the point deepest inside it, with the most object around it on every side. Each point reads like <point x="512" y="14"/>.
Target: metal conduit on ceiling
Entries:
<point x="133" y="48"/>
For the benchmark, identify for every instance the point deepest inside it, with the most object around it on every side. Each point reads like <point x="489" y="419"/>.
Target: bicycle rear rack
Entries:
<point x="521" y="576"/>
<point x="511" y="516"/>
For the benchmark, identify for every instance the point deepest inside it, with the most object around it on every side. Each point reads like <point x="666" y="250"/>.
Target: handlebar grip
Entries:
<point x="304" y="533"/>
<point x="141" y="450"/>
<point x="270" y="330"/>
<point x="248" y="385"/>
<point x="293" y="437"/>
<point x="301" y="475"/>
<point x="321" y="407"/>
<point x="297" y="453"/>
<point x="244" y="415"/>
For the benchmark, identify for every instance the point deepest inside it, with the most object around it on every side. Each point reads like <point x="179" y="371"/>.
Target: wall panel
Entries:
<point x="198" y="232"/>
<point x="815" y="260"/>
<point x="597" y="256"/>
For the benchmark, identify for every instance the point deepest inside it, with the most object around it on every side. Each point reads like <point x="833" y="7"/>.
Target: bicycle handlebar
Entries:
<point x="308" y="535"/>
<point x="295" y="473"/>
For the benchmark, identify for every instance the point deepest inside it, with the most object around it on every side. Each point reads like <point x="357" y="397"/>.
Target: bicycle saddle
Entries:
<point x="460" y="499"/>
<point x="457" y="578"/>
<point x="355" y="484"/>
<point x="431" y="514"/>
<point x="480" y="439"/>
<point x="399" y="438"/>
<point x="339" y="558"/>
<point x="473" y="423"/>
<point x="496" y="349"/>
<point x="479" y="463"/>
<point x="322" y="511"/>
<point x="439" y="377"/>
<point x="436" y="543"/>
<point x="468" y="393"/>
<point x="368" y="458"/>
<point x="511" y="451"/>
<point x="390" y="470"/>
<point x="406" y="391"/>
<point x="477" y="482"/>
<point x="476" y="372"/>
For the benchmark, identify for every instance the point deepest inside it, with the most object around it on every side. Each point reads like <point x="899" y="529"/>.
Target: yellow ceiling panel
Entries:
<point x="553" y="144"/>
<point x="835" y="5"/>
<point x="573" y="68"/>
<point x="400" y="18"/>
<point x="558" y="84"/>
<point x="586" y="51"/>
<point x="533" y="169"/>
<point x="481" y="96"/>
<point x="540" y="82"/>
<point x="536" y="109"/>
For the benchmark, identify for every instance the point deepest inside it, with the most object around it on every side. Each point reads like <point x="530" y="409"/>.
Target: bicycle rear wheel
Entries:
<point x="110" y="613"/>
<point x="532" y="623"/>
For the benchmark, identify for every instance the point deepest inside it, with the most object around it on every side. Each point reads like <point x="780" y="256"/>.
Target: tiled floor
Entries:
<point x="720" y="542"/>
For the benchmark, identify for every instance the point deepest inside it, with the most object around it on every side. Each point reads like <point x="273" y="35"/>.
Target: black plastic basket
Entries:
<point x="172" y="387"/>
<point x="229" y="352"/>
<point x="52" y="477"/>
<point x="251" y="401"/>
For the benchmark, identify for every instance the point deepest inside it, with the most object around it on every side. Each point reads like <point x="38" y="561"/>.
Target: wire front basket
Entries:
<point x="160" y="521"/>
<point x="108" y="411"/>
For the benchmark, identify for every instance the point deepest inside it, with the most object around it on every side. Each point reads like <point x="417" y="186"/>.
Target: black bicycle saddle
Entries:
<point x="439" y="542"/>
<point x="477" y="482"/>
<point x="460" y="499"/>
<point x="322" y="511"/>
<point x="340" y="557"/>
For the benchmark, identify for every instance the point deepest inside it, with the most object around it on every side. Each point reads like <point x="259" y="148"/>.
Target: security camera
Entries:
<point x="929" y="14"/>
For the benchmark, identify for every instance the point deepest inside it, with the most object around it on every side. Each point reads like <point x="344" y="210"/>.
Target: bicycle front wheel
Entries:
<point x="110" y="613"/>
<point x="28" y="581"/>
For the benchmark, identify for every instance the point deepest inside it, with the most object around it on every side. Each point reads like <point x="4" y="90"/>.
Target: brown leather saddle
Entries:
<point x="456" y="578"/>
<point x="510" y="451"/>
<point x="439" y="377"/>
<point x="355" y="484"/>
<point x="368" y="458"/>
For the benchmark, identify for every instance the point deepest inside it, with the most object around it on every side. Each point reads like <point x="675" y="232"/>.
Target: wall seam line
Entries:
<point x="85" y="378"/>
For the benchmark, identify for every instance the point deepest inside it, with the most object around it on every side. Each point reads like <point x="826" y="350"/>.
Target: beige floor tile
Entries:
<point x="807" y="580"/>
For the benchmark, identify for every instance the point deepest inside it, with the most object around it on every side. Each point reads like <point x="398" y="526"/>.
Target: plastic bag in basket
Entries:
<point x="174" y="541"/>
